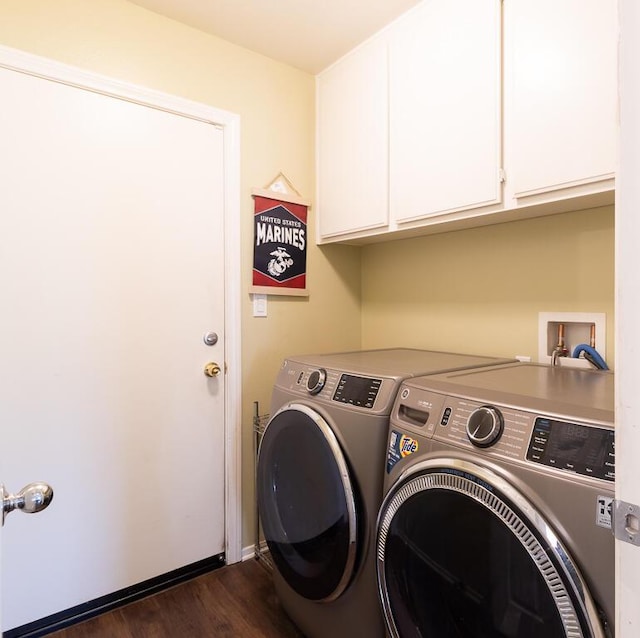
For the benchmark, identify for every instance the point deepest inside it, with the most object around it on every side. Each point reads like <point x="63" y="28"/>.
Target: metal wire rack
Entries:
<point x="260" y="550"/>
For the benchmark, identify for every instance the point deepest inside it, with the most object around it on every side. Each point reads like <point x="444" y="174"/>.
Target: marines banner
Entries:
<point x="280" y="244"/>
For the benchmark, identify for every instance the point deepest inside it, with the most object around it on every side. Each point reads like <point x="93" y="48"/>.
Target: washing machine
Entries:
<point x="496" y="519"/>
<point x="320" y="476"/>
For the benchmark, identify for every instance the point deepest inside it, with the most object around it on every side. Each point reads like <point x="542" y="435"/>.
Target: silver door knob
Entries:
<point x="30" y="499"/>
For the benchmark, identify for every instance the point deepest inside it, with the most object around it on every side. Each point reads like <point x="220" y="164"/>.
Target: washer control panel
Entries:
<point x="509" y="433"/>
<point x="466" y="423"/>
<point x="484" y="426"/>
<point x="584" y="449"/>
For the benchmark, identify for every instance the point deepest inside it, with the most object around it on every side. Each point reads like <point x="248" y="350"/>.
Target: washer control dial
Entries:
<point x="316" y="381"/>
<point x="484" y="426"/>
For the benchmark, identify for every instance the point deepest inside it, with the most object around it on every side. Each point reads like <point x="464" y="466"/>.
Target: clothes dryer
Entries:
<point x="319" y="481"/>
<point x="497" y="516"/>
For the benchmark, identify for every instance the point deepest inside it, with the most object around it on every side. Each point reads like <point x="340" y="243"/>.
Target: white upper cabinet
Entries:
<point x="445" y="108"/>
<point x="468" y="112"/>
<point x="353" y="142"/>
<point x="560" y="95"/>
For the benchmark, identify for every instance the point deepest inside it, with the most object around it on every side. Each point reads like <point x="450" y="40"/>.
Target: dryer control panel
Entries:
<point x="371" y="394"/>
<point x="358" y="391"/>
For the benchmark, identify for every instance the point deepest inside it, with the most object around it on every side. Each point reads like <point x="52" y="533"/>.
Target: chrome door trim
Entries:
<point x="425" y="476"/>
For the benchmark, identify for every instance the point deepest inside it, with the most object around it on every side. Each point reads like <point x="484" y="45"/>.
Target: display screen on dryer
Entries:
<point x="577" y="448"/>
<point x="359" y="391"/>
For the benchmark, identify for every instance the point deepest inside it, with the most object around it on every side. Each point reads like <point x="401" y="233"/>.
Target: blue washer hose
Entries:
<point x="591" y="355"/>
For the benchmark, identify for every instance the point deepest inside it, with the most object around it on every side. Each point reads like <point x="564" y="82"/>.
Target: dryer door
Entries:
<point x="462" y="553"/>
<point x="306" y="503"/>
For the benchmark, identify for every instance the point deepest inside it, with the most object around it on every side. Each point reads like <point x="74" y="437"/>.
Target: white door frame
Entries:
<point x="15" y="60"/>
<point x="627" y="230"/>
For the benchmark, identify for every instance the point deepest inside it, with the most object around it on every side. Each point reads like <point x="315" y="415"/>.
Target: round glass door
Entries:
<point x="306" y="503"/>
<point x="457" y="556"/>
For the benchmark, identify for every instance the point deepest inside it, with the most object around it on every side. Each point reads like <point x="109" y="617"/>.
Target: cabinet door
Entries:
<point x="445" y="101"/>
<point x="561" y="87"/>
<point x="352" y="142"/>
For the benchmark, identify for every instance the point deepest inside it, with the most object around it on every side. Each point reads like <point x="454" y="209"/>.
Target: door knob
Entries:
<point x="30" y="499"/>
<point x="212" y="369"/>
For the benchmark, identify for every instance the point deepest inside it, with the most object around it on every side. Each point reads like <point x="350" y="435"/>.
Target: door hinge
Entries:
<point x="626" y="522"/>
<point x="502" y="175"/>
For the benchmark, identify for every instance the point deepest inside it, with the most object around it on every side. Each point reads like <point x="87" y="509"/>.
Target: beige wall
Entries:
<point x="276" y="105"/>
<point x="480" y="291"/>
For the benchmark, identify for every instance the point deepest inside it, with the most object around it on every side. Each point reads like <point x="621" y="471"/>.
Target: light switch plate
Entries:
<point x="259" y="305"/>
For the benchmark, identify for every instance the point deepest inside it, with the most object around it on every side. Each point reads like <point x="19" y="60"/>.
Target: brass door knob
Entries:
<point x="212" y="369"/>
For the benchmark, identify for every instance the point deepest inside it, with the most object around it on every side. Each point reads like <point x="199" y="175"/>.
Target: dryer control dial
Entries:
<point x="316" y="381"/>
<point x="484" y="426"/>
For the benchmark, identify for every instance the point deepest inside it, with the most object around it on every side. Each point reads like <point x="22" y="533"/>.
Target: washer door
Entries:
<point x="306" y="503"/>
<point x="462" y="553"/>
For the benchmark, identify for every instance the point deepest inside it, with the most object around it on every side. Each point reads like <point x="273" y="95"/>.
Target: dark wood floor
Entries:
<point x="235" y="601"/>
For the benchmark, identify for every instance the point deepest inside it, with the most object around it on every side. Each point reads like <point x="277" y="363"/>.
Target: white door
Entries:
<point x="111" y="271"/>
<point x="627" y="322"/>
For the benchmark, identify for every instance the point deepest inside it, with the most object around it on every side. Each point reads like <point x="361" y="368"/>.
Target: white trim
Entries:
<point x="37" y="66"/>
<point x="627" y="312"/>
<point x="22" y="62"/>
<point x="249" y="551"/>
<point x="233" y="324"/>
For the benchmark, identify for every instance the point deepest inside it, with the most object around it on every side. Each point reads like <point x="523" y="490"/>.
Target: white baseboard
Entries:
<point x="250" y="551"/>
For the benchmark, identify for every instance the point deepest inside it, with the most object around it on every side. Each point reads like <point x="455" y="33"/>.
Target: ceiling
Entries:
<point x="306" y="34"/>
